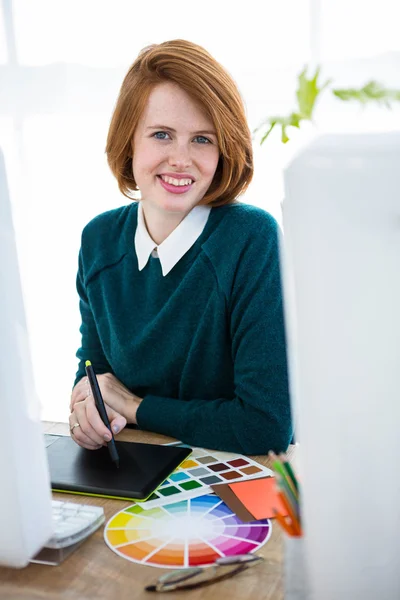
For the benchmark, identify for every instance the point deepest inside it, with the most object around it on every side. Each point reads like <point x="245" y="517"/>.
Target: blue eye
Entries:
<point x="163" y="135"/>
<point x="160" y="133"/>
<point x="201" y="137"/>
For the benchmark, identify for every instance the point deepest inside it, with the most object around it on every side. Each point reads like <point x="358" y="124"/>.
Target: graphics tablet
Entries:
<point x="142" y="468"/>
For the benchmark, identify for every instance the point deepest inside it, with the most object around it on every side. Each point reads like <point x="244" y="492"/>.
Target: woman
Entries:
<point x="180" y="292"/>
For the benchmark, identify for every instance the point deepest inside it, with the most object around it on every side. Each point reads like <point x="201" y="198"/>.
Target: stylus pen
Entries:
<point x="98" y="400"/>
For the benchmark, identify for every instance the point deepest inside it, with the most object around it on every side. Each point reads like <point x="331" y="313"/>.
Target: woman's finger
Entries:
<point x="117" y="422"/>
<point x="86" y="429"/>
<point x="78" y="436"/>
<point x="95" y="420"/>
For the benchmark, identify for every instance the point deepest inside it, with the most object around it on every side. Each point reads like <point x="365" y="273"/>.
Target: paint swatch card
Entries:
<point x="250" y="500"/>
<point x="202" y="469"/>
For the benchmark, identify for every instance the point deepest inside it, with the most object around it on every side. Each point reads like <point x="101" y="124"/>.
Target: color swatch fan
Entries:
<point x="190" y="532"/>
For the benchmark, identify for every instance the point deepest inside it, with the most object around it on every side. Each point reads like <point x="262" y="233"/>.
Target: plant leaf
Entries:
<point x="372" y="91"/>
<point x="308" y="92"/>
<point x="284" y="136"/>
<point x="292" y="120"/>
<point x="264" y="137"/>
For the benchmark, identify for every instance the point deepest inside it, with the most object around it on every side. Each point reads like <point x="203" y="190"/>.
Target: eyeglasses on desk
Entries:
<point x="193" y="577"/>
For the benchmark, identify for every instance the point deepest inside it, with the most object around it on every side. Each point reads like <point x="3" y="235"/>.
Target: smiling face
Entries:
<point x="175" y="153"/>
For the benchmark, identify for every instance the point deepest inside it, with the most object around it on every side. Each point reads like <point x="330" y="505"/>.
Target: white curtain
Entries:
<point x="61" y="65"/>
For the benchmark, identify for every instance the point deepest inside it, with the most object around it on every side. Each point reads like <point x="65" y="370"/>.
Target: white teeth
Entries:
<point x="177" y="182"/>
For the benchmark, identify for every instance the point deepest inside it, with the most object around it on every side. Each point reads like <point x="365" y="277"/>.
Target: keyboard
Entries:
<point x="73" y="522"/>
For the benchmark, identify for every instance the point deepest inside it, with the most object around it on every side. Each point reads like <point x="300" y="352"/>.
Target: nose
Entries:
<point x="179" y="156"/>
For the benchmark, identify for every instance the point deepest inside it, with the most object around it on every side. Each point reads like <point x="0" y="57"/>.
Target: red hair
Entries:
<point x="195" y="71"/>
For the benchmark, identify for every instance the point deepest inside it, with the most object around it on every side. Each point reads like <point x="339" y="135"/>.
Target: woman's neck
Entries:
<point x="160" y="225"/>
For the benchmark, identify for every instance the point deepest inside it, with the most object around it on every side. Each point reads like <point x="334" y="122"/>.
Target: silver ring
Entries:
<point x="71" y="429"/>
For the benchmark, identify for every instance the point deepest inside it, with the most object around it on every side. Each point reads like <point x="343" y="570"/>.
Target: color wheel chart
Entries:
<point x="202" y="469"/>
<point x="190" y="532"/>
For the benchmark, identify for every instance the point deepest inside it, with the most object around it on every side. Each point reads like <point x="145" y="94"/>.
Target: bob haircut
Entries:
<point x="195" y="71"/>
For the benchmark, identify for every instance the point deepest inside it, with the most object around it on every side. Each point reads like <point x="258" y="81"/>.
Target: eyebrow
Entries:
<point x="208" y="132"/>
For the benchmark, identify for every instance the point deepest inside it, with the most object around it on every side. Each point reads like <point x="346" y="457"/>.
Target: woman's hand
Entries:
<point x="121" y="406"/>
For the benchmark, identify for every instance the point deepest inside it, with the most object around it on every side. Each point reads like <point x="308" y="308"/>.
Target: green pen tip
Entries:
<point x="88" y="363"/>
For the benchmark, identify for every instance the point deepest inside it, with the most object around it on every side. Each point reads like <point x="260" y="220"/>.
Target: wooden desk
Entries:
<point x="94" y="571"/>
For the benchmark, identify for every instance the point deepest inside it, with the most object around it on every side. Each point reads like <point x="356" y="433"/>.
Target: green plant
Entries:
<point x="308" y="91"/>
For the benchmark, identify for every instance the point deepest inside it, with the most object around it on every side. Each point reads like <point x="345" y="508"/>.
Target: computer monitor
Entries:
<point x="25" y="494"/>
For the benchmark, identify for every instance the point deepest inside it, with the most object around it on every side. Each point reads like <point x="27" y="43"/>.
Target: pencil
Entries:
<point x="283" y="523"/>
<point x="98" y="399"/>
<point x="289" y="469"/>
<point x="284" y="488"/>
<point x="294" y="518"/>
<point x="280" y="468"/>
<point x="287" y="488"/>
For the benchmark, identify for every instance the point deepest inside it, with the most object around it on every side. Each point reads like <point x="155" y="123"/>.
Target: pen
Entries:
<point x="98" y="399"/>
<point x="291" y="474"/>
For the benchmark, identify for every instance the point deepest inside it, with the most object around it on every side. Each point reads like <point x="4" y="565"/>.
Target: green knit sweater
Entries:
<point x="203" y="346"/>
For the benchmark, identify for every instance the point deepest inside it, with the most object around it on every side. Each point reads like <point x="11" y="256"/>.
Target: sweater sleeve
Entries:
<point x="258" y="418"/>
<point x="91" y="348"/>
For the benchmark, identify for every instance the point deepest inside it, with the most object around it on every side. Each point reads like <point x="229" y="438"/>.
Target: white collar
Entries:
<point x="171" y="250"/>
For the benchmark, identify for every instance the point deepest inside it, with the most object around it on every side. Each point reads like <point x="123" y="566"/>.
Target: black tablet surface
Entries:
<point x="142" y="468"/>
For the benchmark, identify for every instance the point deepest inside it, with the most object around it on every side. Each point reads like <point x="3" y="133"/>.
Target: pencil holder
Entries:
<point x="295" y="575"/>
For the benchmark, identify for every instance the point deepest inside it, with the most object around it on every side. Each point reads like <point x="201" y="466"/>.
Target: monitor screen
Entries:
<point x="25" y="498"/>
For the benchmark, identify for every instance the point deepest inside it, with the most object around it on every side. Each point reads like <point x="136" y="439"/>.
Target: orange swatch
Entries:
<point x="259" y="497"/>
